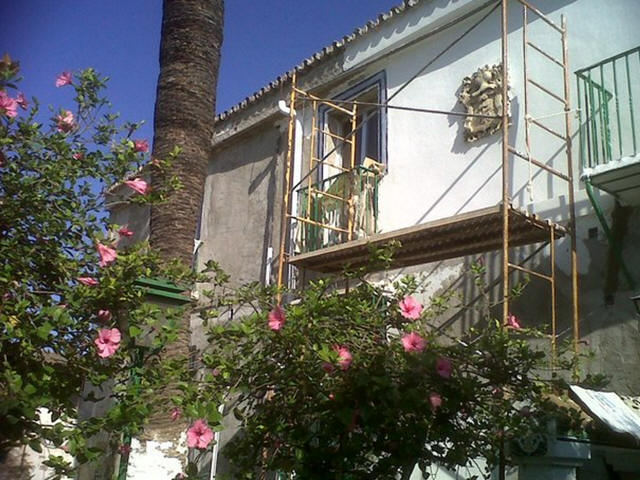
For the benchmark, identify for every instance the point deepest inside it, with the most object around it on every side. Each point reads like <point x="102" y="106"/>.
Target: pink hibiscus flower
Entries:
<point x="435" y="400"/>
<point x="104" y="316"/>
<point x="199" y="435"/>
<point x="107" y="255"/>
<point x="512" y="322"/>
<point x="65" y="122"/>
<point x="88" y="281"/>
<point x="443" y="367"/>
<point x="22" y="101"/>
<point x="139" y="185"/>
<point x="140" y="146"/>
<point x="412" y="342"/>
<point x="108" y="342"/>
<point x="344" y="356"/>
<point x="8" y="104"/>
<point x="276" y="318"/>
<point x="125" y="232"/>
<point x="65" y="78"/>
<point x="410" y="308"/>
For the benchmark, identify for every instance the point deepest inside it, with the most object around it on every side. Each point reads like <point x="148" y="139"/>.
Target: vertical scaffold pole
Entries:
<point x="505" y="165"/>
<point x="286" y="189"/>
<point x="311" y="231"/>
<point x="572" y="207"/>
<point x="554" y="327"/>
<point x="525" y="90"/>
<point x="352" y="173"/>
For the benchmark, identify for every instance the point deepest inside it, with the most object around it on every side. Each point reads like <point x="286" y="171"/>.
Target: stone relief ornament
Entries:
<point x="529" y="445"/>
<point x="481" y="93"/>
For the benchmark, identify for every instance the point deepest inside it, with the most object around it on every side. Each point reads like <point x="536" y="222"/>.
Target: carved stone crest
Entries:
<point x="481" y="93"/>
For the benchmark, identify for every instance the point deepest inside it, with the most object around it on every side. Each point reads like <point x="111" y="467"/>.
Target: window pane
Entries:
<point x="372" y="148"/>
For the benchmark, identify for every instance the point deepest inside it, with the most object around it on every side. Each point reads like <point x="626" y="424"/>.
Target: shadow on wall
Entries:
<point x="610" y="331"/>
<point x="16" y="464"/>
<point x="460" y="146"/>
<point x="270" y="173"/>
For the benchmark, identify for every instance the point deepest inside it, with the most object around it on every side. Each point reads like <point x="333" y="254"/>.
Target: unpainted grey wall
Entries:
<point x="242" y="204"/>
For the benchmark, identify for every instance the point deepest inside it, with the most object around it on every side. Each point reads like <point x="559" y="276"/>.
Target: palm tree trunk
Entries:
<point x="184" y="116"/>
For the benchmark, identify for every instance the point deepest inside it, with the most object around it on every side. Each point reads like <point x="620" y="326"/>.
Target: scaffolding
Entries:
<point x="498" y="228"/>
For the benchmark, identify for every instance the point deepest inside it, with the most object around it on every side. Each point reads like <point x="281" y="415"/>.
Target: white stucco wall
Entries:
<point x="152" y="459"/>
<point x="432" y="172"/>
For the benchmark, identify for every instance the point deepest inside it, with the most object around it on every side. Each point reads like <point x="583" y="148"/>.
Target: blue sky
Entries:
<point x="120" y="39"/>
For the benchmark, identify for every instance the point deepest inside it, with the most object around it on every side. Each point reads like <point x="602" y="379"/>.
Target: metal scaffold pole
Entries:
<point x="572" y="207"/>
<point x="506" y="200"/>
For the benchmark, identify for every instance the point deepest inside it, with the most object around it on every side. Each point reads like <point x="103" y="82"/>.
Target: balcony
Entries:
<point x="608" y="95"/>
<point x="327" y="217"/>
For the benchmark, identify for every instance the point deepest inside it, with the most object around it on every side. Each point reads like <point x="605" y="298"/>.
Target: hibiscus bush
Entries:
<point x="74" y="326"/>
<point x="362" y="384"/>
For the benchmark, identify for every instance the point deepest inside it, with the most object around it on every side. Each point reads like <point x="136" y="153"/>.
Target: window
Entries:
<point x="370" y="137"/>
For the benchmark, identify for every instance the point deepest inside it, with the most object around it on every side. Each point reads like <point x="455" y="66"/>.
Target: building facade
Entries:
<point x="396" y="134"/>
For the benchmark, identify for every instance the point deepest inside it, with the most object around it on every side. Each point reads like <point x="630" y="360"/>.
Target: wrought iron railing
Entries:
<point x="343" y="203"/>
<point x="608" y="95"/>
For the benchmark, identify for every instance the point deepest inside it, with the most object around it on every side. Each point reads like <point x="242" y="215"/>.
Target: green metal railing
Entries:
<point x="327" y="204"/>
<point x="608" y="113"/>
<point x="608" y="95"/>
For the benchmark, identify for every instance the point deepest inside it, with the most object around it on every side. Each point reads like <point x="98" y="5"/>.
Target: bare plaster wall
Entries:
<point x="242" y="204"/>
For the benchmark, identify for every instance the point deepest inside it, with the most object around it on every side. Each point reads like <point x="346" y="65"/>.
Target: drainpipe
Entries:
<point x="612" y="241"/>
<point x="267" y="270"/>
<point x="297" y="150"/>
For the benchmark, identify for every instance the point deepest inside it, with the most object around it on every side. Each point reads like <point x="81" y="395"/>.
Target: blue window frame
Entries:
<point x="371" y="138"/>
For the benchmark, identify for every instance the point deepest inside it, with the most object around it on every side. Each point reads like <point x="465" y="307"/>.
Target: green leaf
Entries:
<point x="44" y="330"/>
<point x="29" y="389"/>
<point x="192" y="469"/>
<point x="35" y="446"/>
<point x="134" y="331"/>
